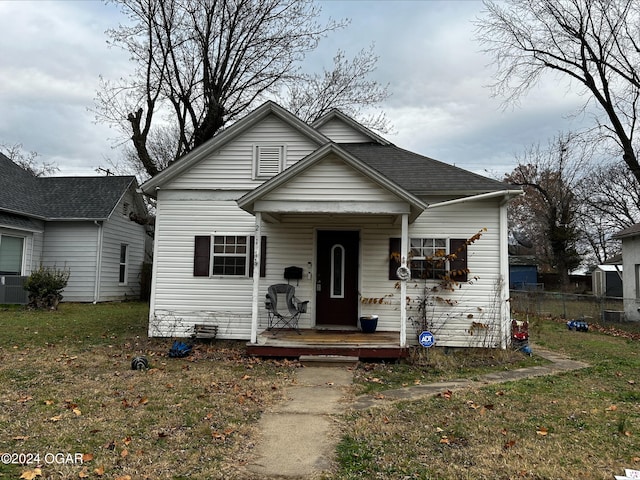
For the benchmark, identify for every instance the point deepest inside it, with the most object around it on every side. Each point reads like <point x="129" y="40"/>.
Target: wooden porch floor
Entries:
<point x="354" y="343"/>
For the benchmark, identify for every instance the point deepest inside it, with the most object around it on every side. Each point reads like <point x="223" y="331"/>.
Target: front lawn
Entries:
<point x="68" y="388"/>
<point x="578" y="425"/>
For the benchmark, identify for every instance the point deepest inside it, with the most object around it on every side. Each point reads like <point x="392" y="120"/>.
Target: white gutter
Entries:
<point x="482" y="196"/>
<point x="96" y="290"/>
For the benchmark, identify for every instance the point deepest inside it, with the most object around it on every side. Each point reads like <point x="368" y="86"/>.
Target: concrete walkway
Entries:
<point x="298" y="437"/>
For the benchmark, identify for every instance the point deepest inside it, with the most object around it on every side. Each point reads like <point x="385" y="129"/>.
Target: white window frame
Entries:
<point x="412" y="257"/>
<point x="275" y="153"/>
<point x="123" y="264"/>
<point x="22" y="254"/>
<point x="214" y="254"/>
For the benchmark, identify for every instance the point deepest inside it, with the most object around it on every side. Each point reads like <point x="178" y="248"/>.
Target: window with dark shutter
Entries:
<point x="202" y="256"/>
<point x="458" y="265"/>
<point x="232" y="255"/>
<point x="394" y="257"/>
<point x="263" y="256"/>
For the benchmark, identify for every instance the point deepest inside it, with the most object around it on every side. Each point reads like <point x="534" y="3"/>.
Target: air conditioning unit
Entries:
<point x="615" y="316"/>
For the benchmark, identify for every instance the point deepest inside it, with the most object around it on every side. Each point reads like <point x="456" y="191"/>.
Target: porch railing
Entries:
<point x="12" y="290"/>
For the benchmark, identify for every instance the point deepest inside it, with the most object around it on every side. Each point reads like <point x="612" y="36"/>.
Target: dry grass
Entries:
<point x="583" y="424"/>
<point x="183" y="418"/>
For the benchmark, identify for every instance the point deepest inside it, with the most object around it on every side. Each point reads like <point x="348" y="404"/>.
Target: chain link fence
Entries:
<point x="568" y="306"/>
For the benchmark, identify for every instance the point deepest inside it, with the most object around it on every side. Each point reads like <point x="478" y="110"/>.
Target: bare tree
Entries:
<point x="547" y="214"/>
<point x="28" y="160"/>
<point x="593" y="43"/>
<point x="201" y="64"/>
<point x="344" y="87"/>
<point x="610" y="201"/>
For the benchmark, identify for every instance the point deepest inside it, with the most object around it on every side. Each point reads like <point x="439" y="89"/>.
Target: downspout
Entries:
<point x="96" y="290"/>
<point x="482" y="196"/>
<point x="504" y="307"/>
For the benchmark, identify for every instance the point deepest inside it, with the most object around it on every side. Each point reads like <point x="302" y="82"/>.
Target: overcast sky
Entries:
<point x="53" y="52"/>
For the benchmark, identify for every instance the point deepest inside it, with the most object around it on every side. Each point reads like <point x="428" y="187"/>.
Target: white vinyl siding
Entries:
<point x="231" y="167"/>
<point x="331" y="179"/>
<point x="182" y="299"/>
<point x="340" y="132"/>
<point x="476" y="302"/>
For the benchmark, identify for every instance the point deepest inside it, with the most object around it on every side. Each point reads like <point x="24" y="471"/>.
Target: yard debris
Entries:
<point x="578" y="325"/>
<point x="180" y="349"/>
<point x="139" y="363"/>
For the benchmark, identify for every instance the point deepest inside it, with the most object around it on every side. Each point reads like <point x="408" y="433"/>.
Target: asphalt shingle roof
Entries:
<point x="59" y="198"/>
<point x="418" y="174"/>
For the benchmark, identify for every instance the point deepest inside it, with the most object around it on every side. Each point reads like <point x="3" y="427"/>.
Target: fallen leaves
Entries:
<point x="31" y="474"/>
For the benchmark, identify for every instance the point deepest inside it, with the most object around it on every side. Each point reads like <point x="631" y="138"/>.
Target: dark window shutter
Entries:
<point x="263" y="255"/>
<point x="394" y="257"/>
<point x="458" y="266"/>
<point x="202" y="256"/>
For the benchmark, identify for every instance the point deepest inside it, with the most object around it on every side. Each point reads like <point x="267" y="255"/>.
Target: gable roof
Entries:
<point x="228" y="134"/>
<point x="421" y="175"/>
<point x="59" y="198"/>
<point x="246" y="202"/>
<point x="416" y="174"/>
<point x="337" y="114"/>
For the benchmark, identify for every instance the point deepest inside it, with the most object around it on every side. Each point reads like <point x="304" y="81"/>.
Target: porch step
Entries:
<point x="328" y="360"/>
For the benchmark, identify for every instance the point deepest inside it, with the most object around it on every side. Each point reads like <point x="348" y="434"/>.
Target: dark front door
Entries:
<point x="337" y="278"/>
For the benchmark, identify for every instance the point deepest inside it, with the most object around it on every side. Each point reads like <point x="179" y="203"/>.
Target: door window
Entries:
<point x="337" y="271"/>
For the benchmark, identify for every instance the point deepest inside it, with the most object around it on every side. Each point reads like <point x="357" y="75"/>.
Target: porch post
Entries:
<point x="256" y="278"/>
<point x="404" y="252"/>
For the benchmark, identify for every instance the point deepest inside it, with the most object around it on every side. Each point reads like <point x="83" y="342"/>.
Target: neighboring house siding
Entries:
<point x="340" y="132"/>
<point x="35" y="252"/>
<point x="630" y="277"/>
<point x="72" y="245"/>
<point x="230" y="168"/>
<point x="117" y="231"/>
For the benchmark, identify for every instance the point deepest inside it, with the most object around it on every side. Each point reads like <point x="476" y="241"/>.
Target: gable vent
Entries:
<point x="269" y="159"/>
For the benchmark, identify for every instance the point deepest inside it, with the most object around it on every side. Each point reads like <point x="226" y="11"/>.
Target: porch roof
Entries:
<point x="386" y="198"/>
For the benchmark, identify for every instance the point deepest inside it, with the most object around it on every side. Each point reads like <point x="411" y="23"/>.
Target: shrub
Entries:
<point x="45" y="286"/>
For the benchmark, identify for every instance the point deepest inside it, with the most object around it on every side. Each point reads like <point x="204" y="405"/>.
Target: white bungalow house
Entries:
<point x="81" y="224"/>
<point x="335" y="200"/>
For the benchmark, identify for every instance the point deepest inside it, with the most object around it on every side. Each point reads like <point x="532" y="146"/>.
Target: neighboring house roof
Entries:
<point x="58" y="198"/>
<point x="631" y="231"/>
<point x="19" y="222"/>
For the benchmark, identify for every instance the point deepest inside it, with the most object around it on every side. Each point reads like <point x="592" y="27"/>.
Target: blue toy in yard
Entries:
<point x="179" y="350"/>
<point x="578" y="325"/>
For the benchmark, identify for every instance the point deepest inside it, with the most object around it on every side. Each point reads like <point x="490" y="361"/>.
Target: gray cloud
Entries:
<point x="53" y="54"/>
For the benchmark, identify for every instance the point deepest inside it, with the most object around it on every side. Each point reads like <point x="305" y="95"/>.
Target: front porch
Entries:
<point x="353" y="343"/>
